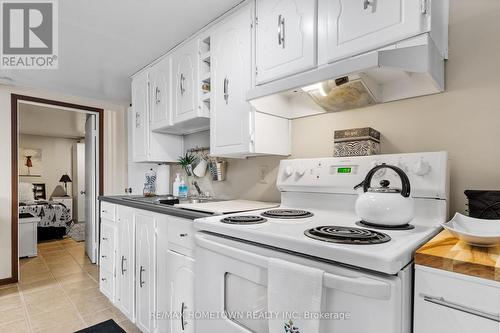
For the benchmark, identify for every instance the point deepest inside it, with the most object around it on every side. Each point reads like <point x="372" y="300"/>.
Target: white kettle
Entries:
<point x="385" y="206"/>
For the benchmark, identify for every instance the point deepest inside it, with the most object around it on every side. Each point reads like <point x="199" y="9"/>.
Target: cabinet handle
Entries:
<point x="103" y="279"/>
<point x="104" y="210"/>
<point x="137" y="121"/>
<point x="182" y="83"/>
<point x="183" y="323"/>
<point x="157" y="95"/>
<point x="459" y="307"/>
<point x="105" y="238"/>
<point x="123" y="269"/>
<point x="141" y="283"/>
<point x="368" y="3"/>
<point x="281" y="31"/>
<point x="226" y="90"/>
<point x="103" y="256"/>
<point x="183" y="235"/>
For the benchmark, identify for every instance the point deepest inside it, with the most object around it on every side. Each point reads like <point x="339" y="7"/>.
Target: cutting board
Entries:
<point x="228" y="206"/>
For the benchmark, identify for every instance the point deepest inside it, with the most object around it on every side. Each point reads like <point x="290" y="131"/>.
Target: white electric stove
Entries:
<point x="367" y="270"/>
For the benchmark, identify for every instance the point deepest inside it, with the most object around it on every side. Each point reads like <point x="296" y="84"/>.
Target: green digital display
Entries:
<point x="344" y="170"/>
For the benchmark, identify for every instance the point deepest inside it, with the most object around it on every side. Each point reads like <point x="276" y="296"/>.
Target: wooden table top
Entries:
<point x="449" y="253"/>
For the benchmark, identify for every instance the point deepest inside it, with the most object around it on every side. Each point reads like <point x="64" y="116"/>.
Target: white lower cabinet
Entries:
<point x="145" y="259"/>
<point x="107" y="259"/>
<point x="180" y="280"/>
<point x="125" y="257"/>
<point x="447" y="302"/>
<point x="148" y="269"/>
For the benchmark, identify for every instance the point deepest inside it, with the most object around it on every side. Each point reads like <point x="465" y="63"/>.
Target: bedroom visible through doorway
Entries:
<point x="59" y="176"/>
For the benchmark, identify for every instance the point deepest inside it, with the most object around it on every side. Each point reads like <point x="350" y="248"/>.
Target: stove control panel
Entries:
<point x="428" y="173"/>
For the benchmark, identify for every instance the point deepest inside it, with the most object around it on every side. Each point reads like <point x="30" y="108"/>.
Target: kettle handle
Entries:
<point x="405" y="182"/>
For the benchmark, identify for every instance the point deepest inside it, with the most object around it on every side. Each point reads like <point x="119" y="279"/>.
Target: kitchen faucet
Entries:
<point x="195" y="184"/>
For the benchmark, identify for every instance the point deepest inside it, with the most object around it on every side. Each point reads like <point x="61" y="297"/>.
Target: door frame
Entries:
<point x="15" y="98"/>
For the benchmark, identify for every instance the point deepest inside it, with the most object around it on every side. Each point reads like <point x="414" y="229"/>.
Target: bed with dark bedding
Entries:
<point x="55" y="218"/>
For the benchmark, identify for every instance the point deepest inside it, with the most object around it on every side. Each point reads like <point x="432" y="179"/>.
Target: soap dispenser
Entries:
<point x="176" y="185"/>
<point x="183" y="189"/>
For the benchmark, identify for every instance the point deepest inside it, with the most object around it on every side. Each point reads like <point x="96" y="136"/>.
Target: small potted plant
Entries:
<point x="187" y="161"/>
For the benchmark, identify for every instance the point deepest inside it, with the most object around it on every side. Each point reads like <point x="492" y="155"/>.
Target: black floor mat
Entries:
<point x="108" y="326"/>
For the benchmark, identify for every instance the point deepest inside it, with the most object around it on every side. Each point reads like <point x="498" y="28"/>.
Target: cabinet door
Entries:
<point x="145" y="270"/>
<point x="140" y="118"/>
<point x="230" y="116"/>
<point x="125" y="262"/>
<point x="447" y="302"/>
<point x="163" y="285"/>
<point x="185" y="64"/>
<point x="180" y="277"/>
<point x="160" y="93"/>
<point x="286" y="37"/>
<point x="356" y="26"/>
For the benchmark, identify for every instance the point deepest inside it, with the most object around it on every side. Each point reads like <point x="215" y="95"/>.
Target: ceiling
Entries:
<point x="51" y="121"/>
<point x="102" y="43"/>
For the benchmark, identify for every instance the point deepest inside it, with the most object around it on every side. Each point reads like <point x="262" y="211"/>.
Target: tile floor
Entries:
<point x="57" y="292"/>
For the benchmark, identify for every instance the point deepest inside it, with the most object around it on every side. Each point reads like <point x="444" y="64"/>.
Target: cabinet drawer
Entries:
<point x="108" y="211"/>
<point x="181" y="235"/>
<point x="449" y="302"/>
<point x="107" y="235"/>
<point x="106" y="259"/>
<point x="106" y="283"/>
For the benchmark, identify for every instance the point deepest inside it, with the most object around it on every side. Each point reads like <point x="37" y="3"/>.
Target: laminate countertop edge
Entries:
<point x="161" y="209"/>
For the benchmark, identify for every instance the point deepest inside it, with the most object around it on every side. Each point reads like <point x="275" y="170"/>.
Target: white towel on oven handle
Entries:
<point x="292" y="291"/>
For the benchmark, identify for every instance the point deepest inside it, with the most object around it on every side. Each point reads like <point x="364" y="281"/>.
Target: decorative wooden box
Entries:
<point x="356" y="142"/>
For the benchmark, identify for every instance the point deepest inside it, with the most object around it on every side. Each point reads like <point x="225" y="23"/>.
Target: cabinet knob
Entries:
<point x="103" y="279"/>
<point x="368" y="3"/>
<point x="183" y="235"/>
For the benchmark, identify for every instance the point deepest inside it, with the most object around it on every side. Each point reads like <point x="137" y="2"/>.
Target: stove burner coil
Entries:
<point x="365" y="224"/>
<point x="287" y="213"/>
<point x="243" y="219"/>
<point x="347" y="235"/>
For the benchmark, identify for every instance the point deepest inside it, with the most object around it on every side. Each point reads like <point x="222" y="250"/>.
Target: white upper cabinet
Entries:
<point x="148" y="146"/>
<point x="231" y="79"/>
<point x="236" y="129"/>
<point x="160" y="98"/>
<point x="351" y="27"/>
<point x="184" y="78"/>
<point x="140" y="119"/>
<point x="286" y="38"/>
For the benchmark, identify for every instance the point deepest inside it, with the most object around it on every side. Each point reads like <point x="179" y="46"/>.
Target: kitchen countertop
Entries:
<point x="448" y="253"/>
<point x="162" y="209"/>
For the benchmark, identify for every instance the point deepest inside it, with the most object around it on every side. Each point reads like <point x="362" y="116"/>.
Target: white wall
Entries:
<point x="115" y="171"/>
<point x="56" y="160"/>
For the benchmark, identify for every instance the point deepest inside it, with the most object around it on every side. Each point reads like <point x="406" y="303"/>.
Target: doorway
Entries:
<point x="56" y="146"/>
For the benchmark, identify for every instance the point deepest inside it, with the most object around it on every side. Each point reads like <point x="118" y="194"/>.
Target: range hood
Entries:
<point x="407" y="69"/>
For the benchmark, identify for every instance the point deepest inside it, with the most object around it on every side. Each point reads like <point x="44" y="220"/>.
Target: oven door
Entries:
<point x="231" y="284"/>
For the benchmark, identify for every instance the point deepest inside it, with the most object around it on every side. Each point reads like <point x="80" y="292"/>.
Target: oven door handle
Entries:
<point x="358" y="285"/>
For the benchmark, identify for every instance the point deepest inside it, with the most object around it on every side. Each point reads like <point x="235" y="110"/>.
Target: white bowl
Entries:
<point x="478" y="232"/>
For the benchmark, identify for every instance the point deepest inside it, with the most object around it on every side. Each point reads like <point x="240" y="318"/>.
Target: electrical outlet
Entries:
<point x="263" y="171"/>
